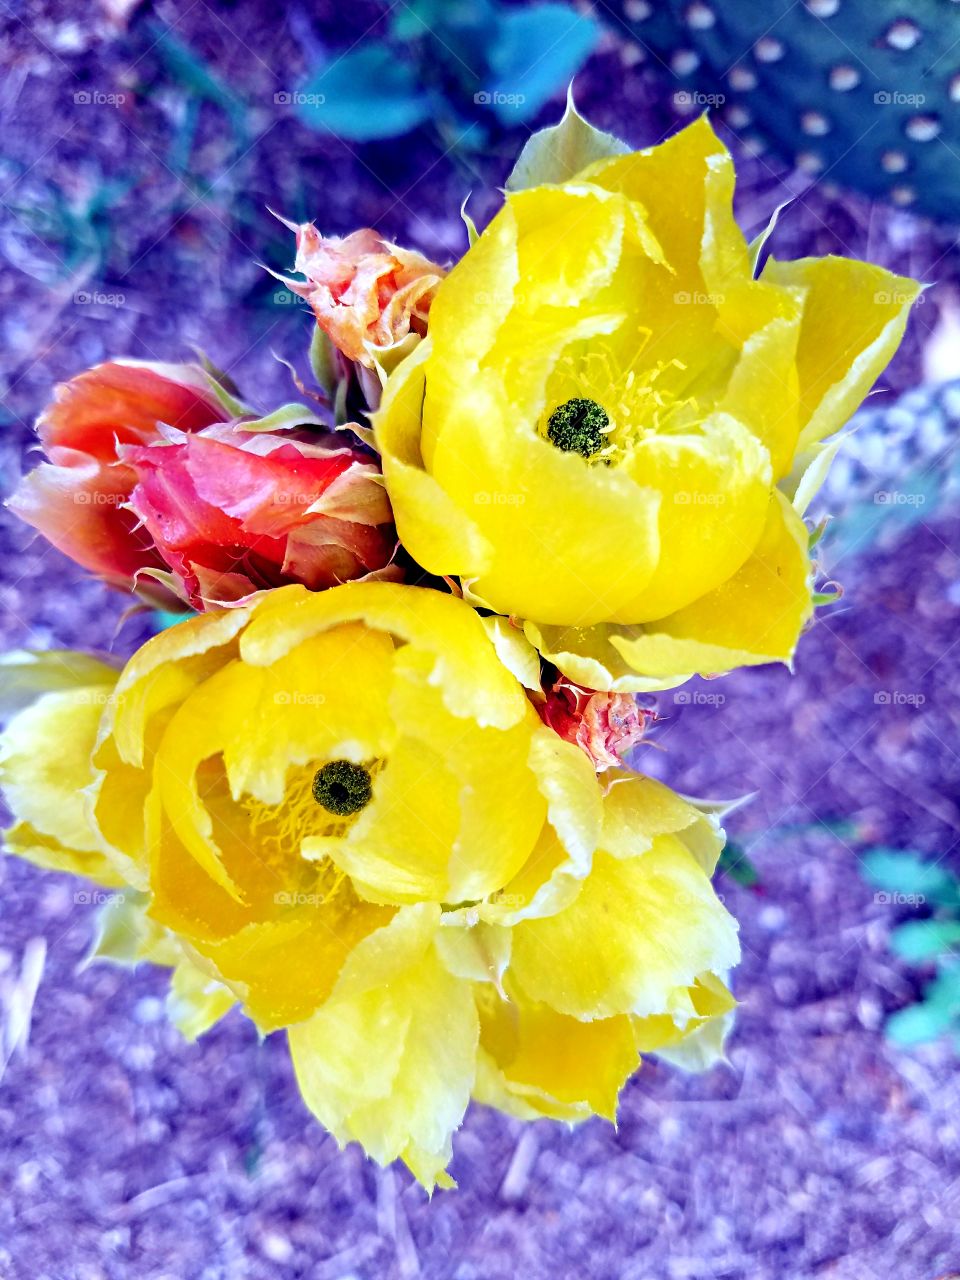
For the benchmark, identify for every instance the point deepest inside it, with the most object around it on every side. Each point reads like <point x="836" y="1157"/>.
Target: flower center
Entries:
<point x="577" y="426"/>
<point x="342" y="787"/>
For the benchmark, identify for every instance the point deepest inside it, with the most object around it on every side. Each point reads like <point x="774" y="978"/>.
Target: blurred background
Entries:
<point x="142" y="147"/>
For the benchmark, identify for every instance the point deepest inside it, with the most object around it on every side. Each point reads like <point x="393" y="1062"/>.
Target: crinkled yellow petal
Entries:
<point x="696" y="1041"/>
<point x="465" y="668"/>
<point x="163" y="671"/>
<point x="639" y="929"/>
<point x="126" y="935"/>
<point x="430" y="830"/>
<point x="390" y="1059"/>
<point x="586" y="656"/>
<point x="854" y="315"/>
<point x="320" y="700"/>
<point x="637" y="809"/>
<point x="284" y="969"/>
<point x="685" y="184"/>
<point x="480" y="953"/>
<point x="45" y="772"/>
<point x="755" y="617"/>
<point x="550" y="877"/>
<point x="573" y="543"/>
<point x="556" y="1065"/>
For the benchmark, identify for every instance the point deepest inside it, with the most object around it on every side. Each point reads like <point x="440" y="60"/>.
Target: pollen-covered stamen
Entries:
<point x="342" y="787"/>
<point x="577" y="426"/>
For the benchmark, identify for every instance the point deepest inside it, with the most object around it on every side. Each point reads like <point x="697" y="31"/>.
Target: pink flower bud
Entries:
<point x="233" y="511"/>
<point x="604" y="725"/>
<point x="363" y="290"/>
<point x="77" y="499"/>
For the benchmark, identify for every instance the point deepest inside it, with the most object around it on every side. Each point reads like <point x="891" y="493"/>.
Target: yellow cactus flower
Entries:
<point x="604" y="431"/>
<point x="341" y="811"/>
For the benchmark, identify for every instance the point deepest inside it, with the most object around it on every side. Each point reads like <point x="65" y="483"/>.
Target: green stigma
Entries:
<point x="342" y="787"/>
<point x="577" y="427"/>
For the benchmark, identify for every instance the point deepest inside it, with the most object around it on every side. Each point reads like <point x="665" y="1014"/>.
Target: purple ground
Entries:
<point x="819" y="1152"/>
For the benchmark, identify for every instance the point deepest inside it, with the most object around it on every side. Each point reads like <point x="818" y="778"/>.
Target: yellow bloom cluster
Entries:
<point x="606" y="428"/>
<point x="343" y="812"/>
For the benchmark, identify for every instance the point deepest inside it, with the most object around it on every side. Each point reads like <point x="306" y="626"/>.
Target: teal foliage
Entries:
<point x="459" y="65"/>
<point x="935" y="941"/>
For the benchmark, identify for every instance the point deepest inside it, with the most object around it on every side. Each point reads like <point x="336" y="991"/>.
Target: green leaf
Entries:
<point x="323" y="361"/>
<point x="536" y="51"/>
<point x="365" y="94"/>
<point x="921" y="940"/>
<point x="937" y="1013"/>
<point x="734" y="861"/>
<point x="917" y="1024"/>
<point x="557" y="153"/>
<point x="283" y="419"/>
<point x="903" y="872"/>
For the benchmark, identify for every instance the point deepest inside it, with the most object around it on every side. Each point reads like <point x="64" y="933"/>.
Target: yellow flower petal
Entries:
<point x="640" y="928"/>
<point x="405" y="1099"/>
<point x="755" y="617"/>
<point x="854" y="315"/>
<point x="636" y="810"/>
<point x="45" y="772"/>
<point x="466" y="667"/>
<point x="554" y="1064"/>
